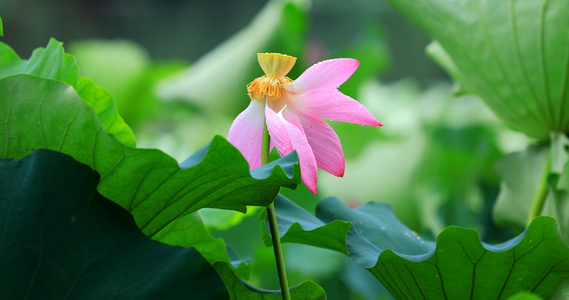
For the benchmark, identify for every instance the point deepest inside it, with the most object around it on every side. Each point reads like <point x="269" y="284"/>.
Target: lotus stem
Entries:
<point x="279" y="257"/>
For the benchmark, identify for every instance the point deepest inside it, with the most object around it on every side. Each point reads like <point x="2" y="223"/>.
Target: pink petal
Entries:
<point x="325" y="75"/>
<point x="325" y="144"/>
<point x="308" y="167"/>
<point x="246" y="133"/>
<point x="332" y="105"/>
<point x="278" y="132"/>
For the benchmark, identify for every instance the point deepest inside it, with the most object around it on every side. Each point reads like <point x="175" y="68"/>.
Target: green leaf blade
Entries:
<point x="52" y="63"/>
<point x="49" y="114"/>
<point x="54" y="219"/>
<point x="514" y="54"/>
<point x="458" y="266"/>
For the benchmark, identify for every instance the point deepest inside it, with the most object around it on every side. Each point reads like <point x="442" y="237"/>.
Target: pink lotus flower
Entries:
<point x="292" y="110"/>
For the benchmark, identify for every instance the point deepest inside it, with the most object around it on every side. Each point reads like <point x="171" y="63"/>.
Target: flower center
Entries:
<point x="269" y="87"/>
<point x="266" y="88"/>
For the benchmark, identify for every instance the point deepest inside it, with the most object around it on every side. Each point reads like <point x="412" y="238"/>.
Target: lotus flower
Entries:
<point x="292" y="110"/>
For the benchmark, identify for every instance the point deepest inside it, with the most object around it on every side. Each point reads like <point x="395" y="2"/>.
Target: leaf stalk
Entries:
<point x="542" y="190"/>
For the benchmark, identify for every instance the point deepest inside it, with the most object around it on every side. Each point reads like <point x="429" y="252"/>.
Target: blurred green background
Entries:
<point x="178" y="71"/>
<point x="186" y="30"/>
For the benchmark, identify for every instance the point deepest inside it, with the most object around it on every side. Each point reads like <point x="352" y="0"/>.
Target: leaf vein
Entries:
<point x="541" y="55"/>
<point x="504" y="74"/>
<point x="157" y="186"/>
<point x="416" y="281"/>
<point x="563" y="94"/>
<point x="67" y="128"/>
<point x="182" y="212"/>
<point x="547" y="274"/>
<point x="518" y="55"/>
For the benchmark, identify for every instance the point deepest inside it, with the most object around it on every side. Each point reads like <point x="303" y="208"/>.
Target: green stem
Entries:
<point x="542" y="190"/>
<point x="273" y="223"/>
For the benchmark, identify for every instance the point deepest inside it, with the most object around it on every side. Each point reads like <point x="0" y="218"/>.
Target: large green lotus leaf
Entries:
<point x="62" y="240"/>
<point x="334" y="220"/>
<point x="149" y="184"/>
<point x="51" y="62"/>
<point x="458" y="266"/>
<point x="238" y="289"/>
<point x="513" y="54"/>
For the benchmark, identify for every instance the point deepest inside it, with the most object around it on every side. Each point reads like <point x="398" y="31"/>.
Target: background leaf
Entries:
<point x="458" y="266"/>
<point x="129" y="61"/>
<point x="148" y="183"/>
<point x="50" y="62"/>
<point x="217" y="80"/>
<point x="53" y="63"/>
<point x="514" y="54"/>
<point x="126" y="70"/>
<point x="445" y="148"/>
<point x="8" y="58"/>
<point x="62" y="239"/>
<point x="522" y="174"/>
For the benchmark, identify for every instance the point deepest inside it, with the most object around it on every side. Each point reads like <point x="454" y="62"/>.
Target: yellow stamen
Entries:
<point x="275" y="66"/>
<point x="265" y="88"/>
